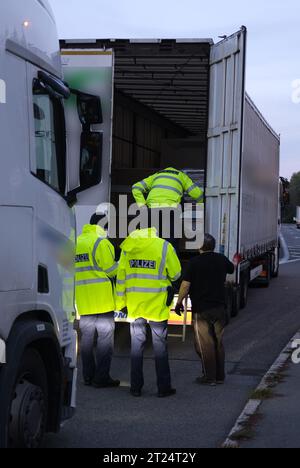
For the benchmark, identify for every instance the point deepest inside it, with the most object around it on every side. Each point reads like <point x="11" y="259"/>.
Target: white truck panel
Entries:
<point x="20" y="274"/>
<point x="16" y="193"/>
<point x="92" y="72"/>
<point x="224" y="141"/>
<point x="259" y="184"/>
<point x="20" y="32"/>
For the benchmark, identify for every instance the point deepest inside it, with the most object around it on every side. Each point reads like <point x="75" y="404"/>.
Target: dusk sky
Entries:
<point x="273" y="63"/>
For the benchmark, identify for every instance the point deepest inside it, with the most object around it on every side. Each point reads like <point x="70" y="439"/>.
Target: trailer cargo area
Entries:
<point x="160" y="109"/>
<point x="169" y="97"/>
<point x="183" y="104"/>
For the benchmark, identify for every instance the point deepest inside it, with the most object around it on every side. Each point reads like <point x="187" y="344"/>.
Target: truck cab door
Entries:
<point x="225" y="141"/>
<point x="91" y="72"/>
<point x="54" y="222"/>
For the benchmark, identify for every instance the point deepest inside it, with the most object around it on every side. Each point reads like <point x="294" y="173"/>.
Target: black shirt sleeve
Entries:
<point x="188" y="274"/>
<point x="229" y="266"/>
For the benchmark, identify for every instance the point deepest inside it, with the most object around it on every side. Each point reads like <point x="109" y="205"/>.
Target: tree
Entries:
<point x="289" y="210"/>
<point x="295" y="189"/>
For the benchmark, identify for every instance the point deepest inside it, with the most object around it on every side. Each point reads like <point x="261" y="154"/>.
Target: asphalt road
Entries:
<point x="195" y="417"/>
<point x="292" y="237"/>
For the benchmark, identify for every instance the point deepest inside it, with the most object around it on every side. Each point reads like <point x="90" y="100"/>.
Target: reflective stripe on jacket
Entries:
<point x="95" y="266"/>
<point x="166" y="189"/>
<point x="148" y="266"/>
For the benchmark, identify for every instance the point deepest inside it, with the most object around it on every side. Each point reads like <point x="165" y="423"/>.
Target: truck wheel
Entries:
<point x="244" y="290"/>
<point x="27" y="415"/>
<point x="236" y="301"/>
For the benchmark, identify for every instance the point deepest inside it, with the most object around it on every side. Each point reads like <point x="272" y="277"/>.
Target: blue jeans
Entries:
<point x="138" y="340"/>
<point x="96" y="366"/>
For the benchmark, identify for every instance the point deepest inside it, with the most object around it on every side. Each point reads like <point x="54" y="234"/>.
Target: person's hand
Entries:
<point x="179" y="309"/>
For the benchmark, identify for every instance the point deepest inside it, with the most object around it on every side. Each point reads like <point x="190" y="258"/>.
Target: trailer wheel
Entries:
<point x="28" y="408"/>
<point x="236" y="301"/>
<point x="244" y="289"/>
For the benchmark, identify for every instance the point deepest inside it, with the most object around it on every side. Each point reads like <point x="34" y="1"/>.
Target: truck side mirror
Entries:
<point x="90" y="159"/>
<point x="89" y="109"/>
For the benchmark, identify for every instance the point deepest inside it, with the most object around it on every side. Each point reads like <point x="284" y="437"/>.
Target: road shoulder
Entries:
<point x="273" y="402"/>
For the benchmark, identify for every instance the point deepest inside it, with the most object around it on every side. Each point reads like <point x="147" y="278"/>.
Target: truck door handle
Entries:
<point x="43" y="280"/>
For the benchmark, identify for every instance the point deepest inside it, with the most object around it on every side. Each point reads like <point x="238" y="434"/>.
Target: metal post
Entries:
<point x="185" y="319"/>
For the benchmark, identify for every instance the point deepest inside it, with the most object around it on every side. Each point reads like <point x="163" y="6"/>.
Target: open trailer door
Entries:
<point x="90" y="71"/>
<point x="225" y="141"/>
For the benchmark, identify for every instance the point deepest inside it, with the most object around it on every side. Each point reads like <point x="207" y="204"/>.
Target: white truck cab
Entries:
<point x="38" y="344"/>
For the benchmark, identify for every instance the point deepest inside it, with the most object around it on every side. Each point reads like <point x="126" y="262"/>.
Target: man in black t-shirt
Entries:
<point x="205" y="281"/>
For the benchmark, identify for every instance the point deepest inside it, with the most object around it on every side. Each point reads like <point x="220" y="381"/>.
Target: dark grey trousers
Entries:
<point x="208" y="331"/>
<point x="159" y="332"/>
<point x="96" y="365"/>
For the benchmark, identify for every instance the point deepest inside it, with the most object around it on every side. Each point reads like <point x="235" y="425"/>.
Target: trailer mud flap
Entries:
<point x="2" y="352"/>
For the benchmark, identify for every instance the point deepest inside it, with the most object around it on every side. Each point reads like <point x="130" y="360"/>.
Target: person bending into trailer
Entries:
<point x="205" y="280"/>
<point x="163" y="192"/>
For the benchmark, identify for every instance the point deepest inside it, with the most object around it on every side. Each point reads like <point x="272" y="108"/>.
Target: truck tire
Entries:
<point x="25" y="383"/>
<point x="24" y="418"/>
<point x="236" y="301"/>
<point x="244" y="289"/>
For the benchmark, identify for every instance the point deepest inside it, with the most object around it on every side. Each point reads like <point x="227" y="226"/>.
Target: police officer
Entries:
<point x="166" y="189"/>
<point x="163" y="191"/>
<point x="148" y="267"/>
<point x="95" y="268"/>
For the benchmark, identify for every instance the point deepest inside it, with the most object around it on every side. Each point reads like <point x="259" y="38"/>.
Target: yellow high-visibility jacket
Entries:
<point x="166" y="189"/>
<point x="148" y="266"/>
<point x="95" y="265"/>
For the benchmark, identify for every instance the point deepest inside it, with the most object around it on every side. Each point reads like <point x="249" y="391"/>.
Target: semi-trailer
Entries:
<point x="183" y="104"/>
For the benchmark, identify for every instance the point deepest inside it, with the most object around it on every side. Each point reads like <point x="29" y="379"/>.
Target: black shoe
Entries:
<point x="88" y="382"/>
<point x="109" y="384"/>
<point x="205" y="381"/>
<point x="220" y="382"/>
<point x="167" y="393"/>
<point x="136" y="393"/>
